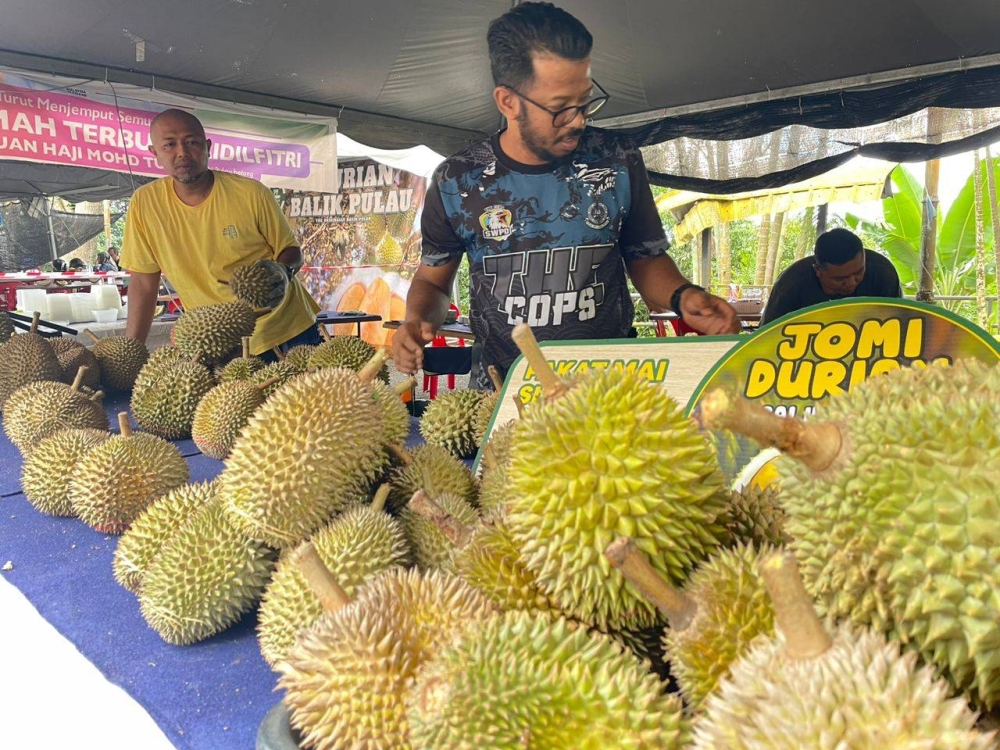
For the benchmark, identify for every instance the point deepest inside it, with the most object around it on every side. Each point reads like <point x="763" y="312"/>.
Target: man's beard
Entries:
<point x="533" y="143"/>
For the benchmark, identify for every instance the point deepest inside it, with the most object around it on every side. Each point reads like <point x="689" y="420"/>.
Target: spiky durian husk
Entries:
<point x="281" y="370"/>
<point x="733" y="609"/>
<point x="139" y="546"/>
<point x="346" y="678"/>
<point x="46" y="472"/>
<point x="40" y="409"/>
<point x="164" y="357"/>
<point x="354" y="546"/>
<point x="435" y="471"/>
<point x="241" y="368"/>
<point x="491" y="564"/>
<point x="529" y="680"/>
<point x="497" y="452"/>
<point x="388" y="252"/>
<point x="73" y="355"/>
<point x="483" y="415"/>
<point x="203" y="578"/>
<point x="448" y="422"/>
<point x="395" y="417"/>
<point x="901" y="532"/>
<point x="755" y="516"/>
<point x="213" y="331"/>
<point x="300" y="455"/>
<point x="118" y="479"/>
<point x="121" y="360"/>
<point x="298" y="356"/>
<point x="6" y="327"/>
<point x="494" y="484"/>
<point x="221" y="414"/>
<point x="251" y="284"/>
<point x="345" y="351"/>
<point x="166" y="405"/>
<point x="431" y="548"/>
<point x="613" y="457"/>
<point x="26" y="358"/>
<point x="860" y="693"/>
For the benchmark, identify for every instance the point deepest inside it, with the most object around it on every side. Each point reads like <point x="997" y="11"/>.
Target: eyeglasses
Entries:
<point x="563" y="117"/>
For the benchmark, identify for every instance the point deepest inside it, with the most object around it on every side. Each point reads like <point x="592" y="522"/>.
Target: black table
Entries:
<point x="332" y="317"/>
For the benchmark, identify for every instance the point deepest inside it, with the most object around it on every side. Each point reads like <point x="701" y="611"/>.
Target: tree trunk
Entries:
<point x="805" y="241"/>
<point x="724" y="254"/>
<point x="763" y="245"/>
<point x="981" y="316"/>
<point x="928" y="235"/>
<point x="774" y="251"/>
<point x="991" y="183"/>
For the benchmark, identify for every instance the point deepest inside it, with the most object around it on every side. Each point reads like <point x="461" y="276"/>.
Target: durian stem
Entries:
<point x="320" y="579"/>
<point x="196" y="359"/>
<point x="260" y="312"/>
<point x="495" y="377"/>
<point x="97" y="396"/>
<point x="324" y="333"/>
<point x="94" y="337"/>
<point x="817" y="445"/>
<point x="552" y="384"/>
<point x="278" y="353"/>
<point x="805" y="637"/>
<point x="405" y="386"/>
<point x="678" y="607"/>
<point x="381" y="495"/>
<point x="246" y="347"/>
<point x="518" y="403"/>
<point x="34" y="321"/>
<point x="456" y="531"/>
<point x="81" y="371"/>
<point x="400" y="453"/>
<point x="269" y="382"/>
<point x="124" y="425"/>
<point x="370" y="370"/>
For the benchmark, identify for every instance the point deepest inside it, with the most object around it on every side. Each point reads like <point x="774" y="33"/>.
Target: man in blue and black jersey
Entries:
<point x="552" y="214"/>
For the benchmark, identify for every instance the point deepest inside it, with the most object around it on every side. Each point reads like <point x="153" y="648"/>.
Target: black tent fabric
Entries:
<point x="25" y="238"/>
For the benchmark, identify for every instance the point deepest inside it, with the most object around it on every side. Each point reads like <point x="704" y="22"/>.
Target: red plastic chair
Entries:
<point x="431" y="381"/>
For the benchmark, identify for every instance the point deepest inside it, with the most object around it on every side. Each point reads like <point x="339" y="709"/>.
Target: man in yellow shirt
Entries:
<point x="197" y="226"/>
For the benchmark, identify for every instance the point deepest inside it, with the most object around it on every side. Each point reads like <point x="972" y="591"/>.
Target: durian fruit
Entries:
<point x="251" y="284"/>
<point x="448" y="421"/>
<point x="357" y="544"/>
<point x="240" y="368"/>
<point x="222" y="413"/>
<point x="434" y="470"/>
<point x="395" y="417"/>
<point x="280" y="370"/>
<point x="213" y="331"/>
<point x="530" y="680"/>
<point x="121" y="360"/>
<point x="432" y="547"/>
<point x="139" y="546"/>
<point x="26" y="358"/>
<point x="490" y="562"/>
<point x="612" y="455"/>
<point x="894" y="512"/>
<point x="73" y="355"/>
<point x="494" y="484"/>
<point x="388" y="252"/>
<point x="723" y="607"/>
<point x="345" y="351"/>
<point x="755" y="516"/>
<point x="310" y="444"/>
<point x="204" y="578"/>
<point x="346" y="677"/>
<point x="845" y="689"/>
<point x="47" y="470"/>
<point x="6" y="327"/>
<point x="165" y="405"/>
<point x="115" y="481"/>
<point x="44" y="407"/>
<point x="483" y="415"/>
<point x="299" y="356"/>
<point x="163" y="357"/>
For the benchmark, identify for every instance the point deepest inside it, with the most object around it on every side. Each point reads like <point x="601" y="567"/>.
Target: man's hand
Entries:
<point x="708" y="314"/>
<point x="277" y="281"/>
<point x="408" y="345"/>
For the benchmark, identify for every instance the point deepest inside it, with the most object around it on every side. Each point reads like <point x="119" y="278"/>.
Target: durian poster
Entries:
<point x="791" y="365"/>
<point x="361" y="244"/>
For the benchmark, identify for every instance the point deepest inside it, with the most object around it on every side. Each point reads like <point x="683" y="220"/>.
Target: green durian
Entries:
<point x="449" y="422"/>
<point x="48" y="469"/>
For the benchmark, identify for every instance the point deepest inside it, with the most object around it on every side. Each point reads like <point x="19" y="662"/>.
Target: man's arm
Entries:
<point x="657" y="278"/>
<point x="426" y="310"/>
<point x="143" y="289"/>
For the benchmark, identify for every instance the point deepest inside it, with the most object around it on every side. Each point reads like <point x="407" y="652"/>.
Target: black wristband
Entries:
<point x="675" y="298"/>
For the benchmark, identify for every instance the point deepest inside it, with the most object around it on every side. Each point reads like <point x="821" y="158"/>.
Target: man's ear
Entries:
<point x="507" y="102"/>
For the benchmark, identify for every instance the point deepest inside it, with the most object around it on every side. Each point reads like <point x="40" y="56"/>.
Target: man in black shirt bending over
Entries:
<point x="840" y="267"/>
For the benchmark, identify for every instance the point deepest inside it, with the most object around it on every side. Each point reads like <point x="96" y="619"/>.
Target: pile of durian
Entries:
<point x="598" y="586"/>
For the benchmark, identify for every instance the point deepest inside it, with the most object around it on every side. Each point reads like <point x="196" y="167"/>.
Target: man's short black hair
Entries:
<point x="533" y="28"/>
<point x="837" y="247"/>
